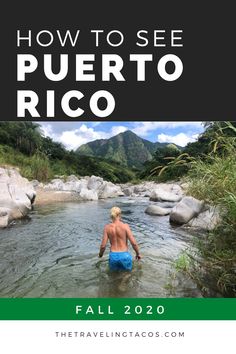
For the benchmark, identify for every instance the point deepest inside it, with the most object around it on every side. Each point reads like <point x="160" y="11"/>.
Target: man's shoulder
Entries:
<point x="126" y="226"/>
<point x="111" y="225"/>
<point x="108" y="226"/>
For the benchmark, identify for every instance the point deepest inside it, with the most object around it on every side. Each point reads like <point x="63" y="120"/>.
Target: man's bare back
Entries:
<point x="118" y="234"/>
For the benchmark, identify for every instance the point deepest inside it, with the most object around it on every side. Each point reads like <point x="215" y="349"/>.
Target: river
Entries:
<point x="54" y="253"/>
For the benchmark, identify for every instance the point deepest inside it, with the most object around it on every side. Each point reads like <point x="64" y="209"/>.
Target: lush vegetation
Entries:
<point x="126" y="148"/>
<point x="209" y="168"/>
<point x="214" y="180"/>
<point x="173" y="163"/>
<point x="38" y="157"/>
<point x="207" y="165"/>
<point x="160" y="167"/>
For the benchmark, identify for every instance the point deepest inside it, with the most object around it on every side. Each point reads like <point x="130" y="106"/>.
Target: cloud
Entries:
<point x="46" y="129"/>
<point x="181" y="139"/>
<point x="144" y="128"/>
<point x="74" y="134"/>
<point x="74" y="138"/>
<point x="117" y="129"/>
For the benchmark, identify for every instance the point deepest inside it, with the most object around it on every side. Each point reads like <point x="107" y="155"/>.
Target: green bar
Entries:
<point x="118" y="309"/>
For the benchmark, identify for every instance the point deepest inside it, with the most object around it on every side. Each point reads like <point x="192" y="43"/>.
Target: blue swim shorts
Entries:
<point x="120" y="261"/>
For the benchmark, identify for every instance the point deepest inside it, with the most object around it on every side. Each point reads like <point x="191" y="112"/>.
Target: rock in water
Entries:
<point x="16" y="196"/>
<point x="94" y="182"/>
<point x="166" y="192"/>
<point x="169" y="205"/>
<point x="185" y="210"/>
<point x="4" y="216"/>
<point x="207" y="220"/>
<point x="128" y="191"/>
<point x="157" y="210"/>
<point x="109" y="190"/>
<point x="87" y="194"/>
<point x="159" y="195"/>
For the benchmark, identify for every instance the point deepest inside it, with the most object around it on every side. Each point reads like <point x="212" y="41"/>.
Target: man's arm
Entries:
<point x="104" y="242"/>
<point x="133" y="241"/>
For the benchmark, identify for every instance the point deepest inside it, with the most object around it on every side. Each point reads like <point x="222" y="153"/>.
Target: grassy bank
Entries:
<point x="39" y="166"/>
<point x="214" y="180"/>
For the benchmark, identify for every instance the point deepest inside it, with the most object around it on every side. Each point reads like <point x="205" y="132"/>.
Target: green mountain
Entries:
<point x="126" y="148"/>
<point x="22" y="145"/>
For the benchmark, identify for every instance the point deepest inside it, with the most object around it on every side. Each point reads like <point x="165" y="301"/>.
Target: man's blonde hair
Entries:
<point x="115" y="212"/>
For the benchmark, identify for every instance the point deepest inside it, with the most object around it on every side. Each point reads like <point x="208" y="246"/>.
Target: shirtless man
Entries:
<point x="118" y="234"/>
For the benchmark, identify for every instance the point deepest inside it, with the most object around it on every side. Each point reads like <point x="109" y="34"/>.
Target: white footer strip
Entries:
<point x="112" y="337"/>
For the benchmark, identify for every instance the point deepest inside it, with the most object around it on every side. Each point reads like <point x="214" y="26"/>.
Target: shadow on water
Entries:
<point x="118" y="284"/>
<point x="55" y="253"/>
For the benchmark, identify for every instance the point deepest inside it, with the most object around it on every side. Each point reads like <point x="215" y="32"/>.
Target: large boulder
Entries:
<point x="140" y="188"/>
<point x="143" y="189"/>
<point x="128" y="191"/>
<point x="72" y="187"/>
<point x="157" y="210"/>
<point x="157" y="191"/>
<point x="94" y="182"/>
<point x="87" y="194"/>
<point x="4" y="217"/>
<point x="158" y="195"/>
<point x="72" y="178"/>
<point x="208" y="220"/>
<point x="185" y="210"/>
<point x="72" y="184"/>
<point x="35" y="183"/>
<point x="109" y="190"/>
<point x="169" y="205"/>
<point x="56" y="184"/>
<point x="16" y="196"/>
<point x="165" y="192"/>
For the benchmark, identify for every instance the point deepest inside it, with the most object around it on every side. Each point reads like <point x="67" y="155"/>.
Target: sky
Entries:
<point x="74" y="134"/>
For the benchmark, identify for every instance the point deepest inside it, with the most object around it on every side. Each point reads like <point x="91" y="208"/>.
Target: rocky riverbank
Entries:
<point x="165" y="198"/>
<point x="171" y="199"/>
<point x="75" y="189"/>
<point x="17" y="196"/>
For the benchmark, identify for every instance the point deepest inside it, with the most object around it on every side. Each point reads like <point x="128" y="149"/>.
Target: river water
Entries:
<point x="54" y="253"/>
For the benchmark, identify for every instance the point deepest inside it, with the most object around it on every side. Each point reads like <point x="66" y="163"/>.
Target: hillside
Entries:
<point x="126" y="148"/>
<point x="23" y="145"/>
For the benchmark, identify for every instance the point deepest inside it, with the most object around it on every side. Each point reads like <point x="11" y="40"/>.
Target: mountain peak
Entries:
<point x="128" y="132"/>
<point x="126" y="148"/>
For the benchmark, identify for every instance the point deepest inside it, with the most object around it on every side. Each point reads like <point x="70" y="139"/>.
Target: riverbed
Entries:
<point x="54" y="253"/>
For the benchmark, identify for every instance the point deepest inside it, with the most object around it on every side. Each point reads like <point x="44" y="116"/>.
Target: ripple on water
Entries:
<point x="55" y="253"/>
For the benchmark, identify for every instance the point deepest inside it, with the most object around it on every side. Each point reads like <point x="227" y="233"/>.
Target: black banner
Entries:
<point x="113" y="63"/>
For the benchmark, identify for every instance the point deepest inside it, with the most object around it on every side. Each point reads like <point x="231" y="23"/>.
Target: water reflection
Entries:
<point x="55" y="253"/>
<point x="118" y="284"/>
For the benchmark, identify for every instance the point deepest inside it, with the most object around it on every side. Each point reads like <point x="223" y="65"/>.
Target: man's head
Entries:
<point x="115" y="213"/>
